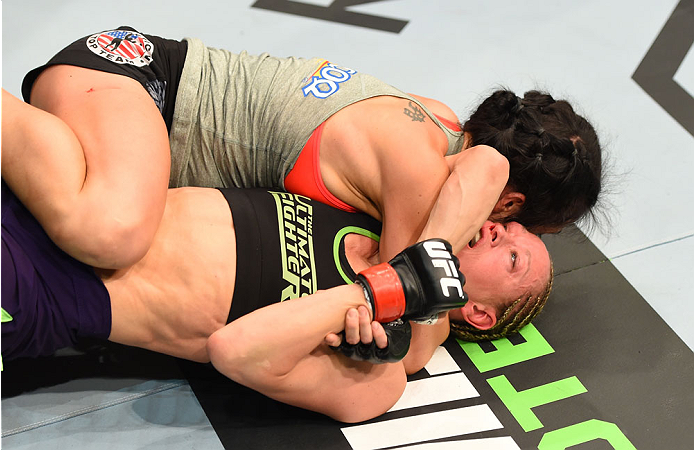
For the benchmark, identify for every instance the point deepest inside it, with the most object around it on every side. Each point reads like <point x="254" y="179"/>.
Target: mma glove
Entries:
<point x="417" y="284"/>
<point x="399" y="334"/>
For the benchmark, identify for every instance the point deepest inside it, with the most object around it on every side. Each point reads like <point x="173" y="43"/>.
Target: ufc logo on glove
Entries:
<point x="412" y="285"/>
<point x="440" y="257"/>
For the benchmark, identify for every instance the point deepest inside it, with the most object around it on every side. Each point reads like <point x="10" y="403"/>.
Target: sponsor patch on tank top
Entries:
<point x="326" y="80"/>
<point x="122" y="47"/>
<point x="295" y="219"/>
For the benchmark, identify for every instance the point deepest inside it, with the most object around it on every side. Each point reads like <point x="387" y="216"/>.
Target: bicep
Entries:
<point x="410" y="190"/>
<point x="478" y="176"/>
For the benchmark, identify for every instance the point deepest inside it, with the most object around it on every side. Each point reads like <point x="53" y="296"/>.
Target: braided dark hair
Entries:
<point x="554" y="154"/>
<point x="517" y="315"/>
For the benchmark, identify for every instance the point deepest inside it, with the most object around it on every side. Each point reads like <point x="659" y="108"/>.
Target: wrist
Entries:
<point x="368" y="301"/>
<point x="383" y="291"/>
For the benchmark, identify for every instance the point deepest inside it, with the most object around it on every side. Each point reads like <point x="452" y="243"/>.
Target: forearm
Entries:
<point x="425" y="340"/>
<point x="279" y="351"/>
<point x="478" y="176"/>
<point x="271" y="341"/>
<point x="448" y="199"/>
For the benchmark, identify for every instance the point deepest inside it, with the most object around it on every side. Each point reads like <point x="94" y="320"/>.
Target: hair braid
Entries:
<point x="512" y="318"/>
<point x="554" y="155"/>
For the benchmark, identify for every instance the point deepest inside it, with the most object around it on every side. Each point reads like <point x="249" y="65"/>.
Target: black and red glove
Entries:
<point x="418" y="283"/>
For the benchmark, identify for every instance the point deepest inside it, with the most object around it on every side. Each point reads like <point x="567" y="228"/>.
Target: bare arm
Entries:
<point x="279" y="351"/>
<point x="477" y="178"/>
<point x="411" y="181"/>
<point x="478" y="175"/>
<point x="465" y="201"/>
<point x="90" y="160"/>
<point x="424" y="195"/>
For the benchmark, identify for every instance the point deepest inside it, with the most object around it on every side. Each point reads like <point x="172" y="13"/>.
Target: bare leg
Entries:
<point x="91" y="162"/>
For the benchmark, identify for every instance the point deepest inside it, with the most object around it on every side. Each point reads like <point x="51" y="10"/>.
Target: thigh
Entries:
<point x="121" y="131"/>
<point x="125" y="172"/>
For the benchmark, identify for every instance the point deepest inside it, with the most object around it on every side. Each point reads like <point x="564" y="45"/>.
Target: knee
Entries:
<point x="104" y="242"/>
<point x="121" y="245"/>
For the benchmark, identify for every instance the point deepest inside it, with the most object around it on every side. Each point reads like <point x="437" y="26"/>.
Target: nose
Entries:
<point x="498" y="233"/>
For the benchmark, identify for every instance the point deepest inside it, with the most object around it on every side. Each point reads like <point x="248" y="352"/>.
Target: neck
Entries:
<point x="361" y="251"/>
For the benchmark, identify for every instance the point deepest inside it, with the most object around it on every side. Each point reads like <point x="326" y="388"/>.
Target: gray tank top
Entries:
<point x="242" y="120"/>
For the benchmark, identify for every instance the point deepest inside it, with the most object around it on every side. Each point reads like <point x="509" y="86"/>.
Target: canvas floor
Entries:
<point x="629" y="68"/>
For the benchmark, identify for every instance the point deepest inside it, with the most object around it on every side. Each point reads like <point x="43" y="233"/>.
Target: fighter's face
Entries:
<point x="506" y="263"/>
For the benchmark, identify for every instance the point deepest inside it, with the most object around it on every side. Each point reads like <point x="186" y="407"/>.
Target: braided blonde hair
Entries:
<point x="509" y="322"/>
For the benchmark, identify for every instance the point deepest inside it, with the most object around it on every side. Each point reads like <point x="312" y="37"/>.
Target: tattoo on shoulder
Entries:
<point x="415" y="112"/>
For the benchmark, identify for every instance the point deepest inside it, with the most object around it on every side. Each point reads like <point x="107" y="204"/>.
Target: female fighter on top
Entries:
<point x="109" y="126"/>
<point x="221" y="264"/>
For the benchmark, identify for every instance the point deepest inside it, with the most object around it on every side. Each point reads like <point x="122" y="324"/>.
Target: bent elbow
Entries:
<point x="415" y="364"/>
<point x="496" y="162"/>
<point x="233" y="353"/>
<point x="356" y="415"/>
<point x="496" y="166"/>
<point x="212" y="346"/>
<point x="223" y="356"/>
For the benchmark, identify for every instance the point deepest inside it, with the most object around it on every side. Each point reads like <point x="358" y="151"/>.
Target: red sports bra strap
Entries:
<point x="305" y="177"/>
<point x="455" y="126"/>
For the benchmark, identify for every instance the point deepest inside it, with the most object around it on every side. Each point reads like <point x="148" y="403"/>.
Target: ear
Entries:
<point x="479" y="316"/>
<point x="509" y="204"/>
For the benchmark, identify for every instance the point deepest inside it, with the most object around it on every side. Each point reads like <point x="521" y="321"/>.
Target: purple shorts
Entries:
<point x="52" y="298"/>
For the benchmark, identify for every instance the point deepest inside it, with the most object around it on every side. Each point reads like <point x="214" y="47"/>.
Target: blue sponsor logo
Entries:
<point x="326" y="80"/>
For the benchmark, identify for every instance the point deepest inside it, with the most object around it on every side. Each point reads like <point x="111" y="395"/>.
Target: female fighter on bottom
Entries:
<point x="268" y="247"/>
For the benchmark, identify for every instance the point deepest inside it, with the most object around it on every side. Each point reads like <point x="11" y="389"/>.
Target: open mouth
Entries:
<point x="475" y="239"/>
<point x="489" y="230"/>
